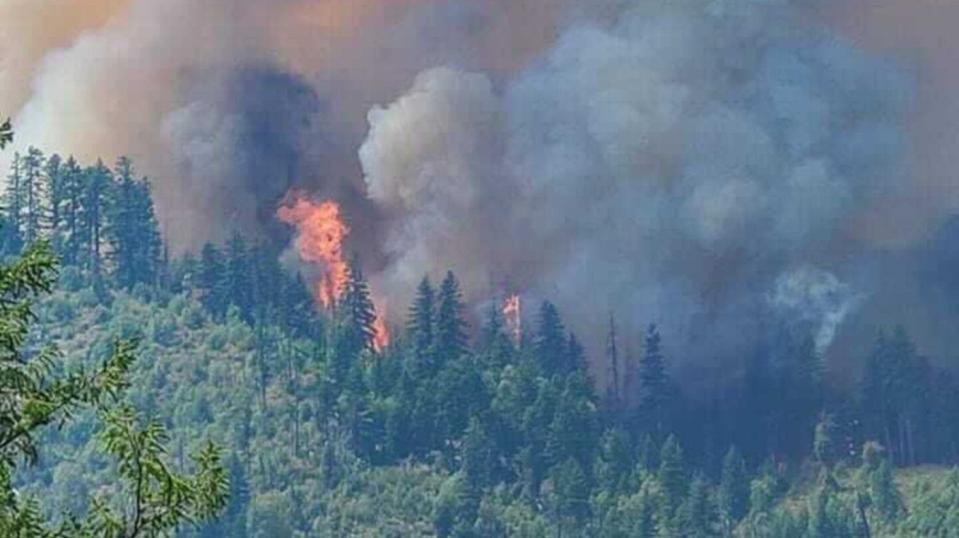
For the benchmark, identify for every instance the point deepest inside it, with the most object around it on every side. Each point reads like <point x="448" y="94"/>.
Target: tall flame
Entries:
<point x="320" y="241"/>
<point x="513" y="314"/>
<point x="321" y="234"/>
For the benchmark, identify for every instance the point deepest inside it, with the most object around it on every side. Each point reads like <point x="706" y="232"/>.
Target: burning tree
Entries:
<point x="321" y="235"/>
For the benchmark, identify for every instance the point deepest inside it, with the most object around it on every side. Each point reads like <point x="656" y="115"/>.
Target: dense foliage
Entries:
<point x="456" y="429"/>
<point x="150" y="499"/>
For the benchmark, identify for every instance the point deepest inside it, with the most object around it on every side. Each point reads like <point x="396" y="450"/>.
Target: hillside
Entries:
<point x="294" y="472"/>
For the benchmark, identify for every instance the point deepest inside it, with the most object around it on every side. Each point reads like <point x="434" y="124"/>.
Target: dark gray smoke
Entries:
<point x="250" y="134"/>
<point x="697" y="164"/>
<point x="710" y="165"/>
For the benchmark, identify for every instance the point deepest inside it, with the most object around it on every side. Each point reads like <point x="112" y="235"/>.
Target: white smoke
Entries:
<point x="815" y="297"/>
<point x="666" y="161"/>
<point x="668" y="166"/>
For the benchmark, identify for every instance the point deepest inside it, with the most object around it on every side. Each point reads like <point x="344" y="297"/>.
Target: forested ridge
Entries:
<point x="457" y="428"/>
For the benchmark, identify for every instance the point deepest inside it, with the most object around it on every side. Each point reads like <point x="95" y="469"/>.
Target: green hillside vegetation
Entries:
<point x="295" y="472"/>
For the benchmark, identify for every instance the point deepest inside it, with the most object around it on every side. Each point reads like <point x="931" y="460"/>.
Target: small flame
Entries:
<point x="320" y="241"/>
<point x="381" y="332"/>
<point x="513" y="313"/>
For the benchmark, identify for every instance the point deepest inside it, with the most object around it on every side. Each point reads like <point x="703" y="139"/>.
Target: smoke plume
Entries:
<point x="705" y="165"/>
<point x="674" y="164"/>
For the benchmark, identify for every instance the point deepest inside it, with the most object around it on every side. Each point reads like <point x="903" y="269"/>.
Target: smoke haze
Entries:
<point x="709" y="166"/>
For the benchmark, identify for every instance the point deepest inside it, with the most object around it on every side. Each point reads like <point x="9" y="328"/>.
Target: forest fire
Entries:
<point x="320" y="241"/>
<point x="321" y="234"/>
<point x="381" y="332"/>
<point x="513" y="313"/>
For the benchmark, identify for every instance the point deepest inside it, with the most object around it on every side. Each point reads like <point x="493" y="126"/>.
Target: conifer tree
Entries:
<point x="655" y="385"/>
<point x="121" y="224"/>
<point x="494" y="342"/>
<point x="422" y="319"/>
<point x="268" y="276"/>
<point x="150" y="256"/>
<point x="97" y="183"/>
<point x="237" y="276"/>
<point x="575" y="355"/>
<point x="72" y="210"/>
<point x="733" y="494"/>
<point x="13" y="203"/>
<point x="551" y="349"/>
<point x="211" y="280"/>
<point x="31" y="185"/>
<point x="893" y="385"/>
<point x="296" y="306"/>
<point x="357" y="313"/>
<point x="647" y="459"/>
<point x="450" y="331"/>
<point x="614" y="462"/>
<point x="613" y="383"/>
<point x="6" y="133"/>
<point x="479" y="457"/>
<point x="696" y="515"/>
<point x="56" y="178"/>
<point x="672" y="475"/>
<point x="570" y="492"/>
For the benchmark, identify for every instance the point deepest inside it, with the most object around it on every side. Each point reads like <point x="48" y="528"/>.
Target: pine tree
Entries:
<point x="551" y="341"/>
<point x="73" y="186"/>
<point x="211" y="280"/>
<point x="571" y="493"/>
<point x="6" y="133"/>
<point x="655" y="385"/>
<point x="450" y="326"/>
<point x="733" y="494"/>
<point x="696" y="515"/>
<point x="894" y="382"/>
<point x="575" y="355"/>
<point x="56" y="178"/>
<point x="672" y="475"/>
<point x="237" y="276"/>
<point x="14" y="202"/>
<point x="357" y="314"/>
<point x="422" y="318"/>
<point x="494" y="342"/>
<point x="647" y="460"/>
<point x="614" y="462"/>
<point x="151" y="258"/>
<point x="32" y="193"/>
<point x="613" y="383"/>
<point x="97" y="182"/>
<point x="296" y="307"/>
<point x="568" y="435"/>
<point x="121" y="224"/>
<point x="266" y="282"/>
<point x="799" y="394"/>
<point x="479" y="455"/>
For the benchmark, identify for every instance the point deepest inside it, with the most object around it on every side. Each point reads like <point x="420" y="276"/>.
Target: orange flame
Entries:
<point x="320" y="241"/>
<point x="381" y="332"/>
<point x="513" y="313"/>
<point x="320" y="238"/>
